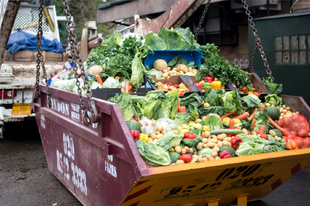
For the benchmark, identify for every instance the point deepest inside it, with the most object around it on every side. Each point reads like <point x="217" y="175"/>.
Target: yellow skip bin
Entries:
<point x="21" y="109"/>
<point x="219" y="182"/>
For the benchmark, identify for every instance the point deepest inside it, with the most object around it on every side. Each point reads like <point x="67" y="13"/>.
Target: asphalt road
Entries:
<point x="25" y="178"/>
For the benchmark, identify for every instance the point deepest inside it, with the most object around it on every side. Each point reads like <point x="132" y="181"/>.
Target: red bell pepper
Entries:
<point x="224" y="153"/>
<point x="198" y="85"/>
<point x="226" y="156"/>
<point x="187" y="135"/>
<point x="235" y="142"/>
<point x="209" y="79"/>
<point x="135" y="134"/>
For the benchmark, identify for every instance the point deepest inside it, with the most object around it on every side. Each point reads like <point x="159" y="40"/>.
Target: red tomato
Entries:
<point x="299" y="141"/>
<point x="244" y="89"/>
<point x="186" y="158"/>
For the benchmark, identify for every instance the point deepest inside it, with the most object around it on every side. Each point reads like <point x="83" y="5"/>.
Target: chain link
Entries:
<point x="258" y="42"/>
<point x="77" y="62"/>
<point x="253" y="57"/>
<point x="40" y="60"/>
<point x="202" y="19"/>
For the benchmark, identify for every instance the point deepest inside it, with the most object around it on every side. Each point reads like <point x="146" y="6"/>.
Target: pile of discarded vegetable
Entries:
<point x="119" y="63"/>
<point x="172" y="130"/>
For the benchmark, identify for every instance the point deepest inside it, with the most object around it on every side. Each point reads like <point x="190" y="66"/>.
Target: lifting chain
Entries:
<point x="258" y="42"/>
<point x="77" y="62"/>
<point x="202" y="19"/>
<point x="40" y="60"/>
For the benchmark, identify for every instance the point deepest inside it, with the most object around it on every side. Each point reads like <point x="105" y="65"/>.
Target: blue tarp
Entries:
<point x="25" y="41"/>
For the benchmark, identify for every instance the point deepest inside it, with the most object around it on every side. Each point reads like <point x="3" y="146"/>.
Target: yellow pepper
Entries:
<point x="206" y="128"/>
<point x="226" y="120"/>
<point x="206" y="104"/>
<point x="216" y="85"/>
<point x="250" y="92"/>
<point x="144" y="137"/>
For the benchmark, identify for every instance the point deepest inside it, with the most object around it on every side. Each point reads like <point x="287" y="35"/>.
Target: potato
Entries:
<point x="210" y="144"/>
<point x="179" y="162"/>
<point x="199" y="146"/>
<point x="178" y="149"/>
<point x="160" y="128"/>
<point x="214" y="154"/>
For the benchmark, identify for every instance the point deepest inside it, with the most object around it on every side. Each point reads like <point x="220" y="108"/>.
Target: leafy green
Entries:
<point x="153" y="154"/>
<point x="188" y="36"/>
<point x="137" y="71"/>
<point x="250" y="101"/>
<point x="193" y="99"/>
<point x="175" y="61"/>
<point x="173" y="97"/>
<point x="170" y="139"/>
<point x="203" y="111"/>
<point x="113" y="39"/>
<point x="205" y="151"/>
<point x="213" y="97"/>
<point x="171" y="39"/>
<point x="125" y="104"/>
<point x="123" y="60"/>
<point x="214" y="122"/>
<point x="274" y="99"/>
<point x="214" y="65"/>
<point x="154" y="42"/>
<point x="274" y="88"/>
<point x="262" y="118"/>
<point x="248" y="148"/>
<point x="232" y="102"/>
<point x="183" y="118"/>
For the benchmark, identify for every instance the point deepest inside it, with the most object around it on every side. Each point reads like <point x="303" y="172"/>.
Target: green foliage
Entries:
<point x="214" y="65"/>
<point x="82" y="11"/>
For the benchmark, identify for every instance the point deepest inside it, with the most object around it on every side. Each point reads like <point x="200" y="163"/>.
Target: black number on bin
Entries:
<point x="265" y="180"/>
<point x="238" y="171"/>
<point x="250" y="171"/>
<point x="225" y="174"/>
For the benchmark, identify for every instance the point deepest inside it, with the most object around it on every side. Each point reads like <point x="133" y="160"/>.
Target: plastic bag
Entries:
<point x="95" y="85"/>
<point x="148" y="126"/>
<point x="158" y="74"/>
<point x="70" y="85"/>
<point x="167" y="124"/>
<point x="296" y="124"/>
<point x="110" y="82"/>
<point x="58" y="83"/>
<point x="75" y="89"/>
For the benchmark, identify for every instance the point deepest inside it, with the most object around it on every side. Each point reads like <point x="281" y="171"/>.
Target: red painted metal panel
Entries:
<point x="88" y="160"/>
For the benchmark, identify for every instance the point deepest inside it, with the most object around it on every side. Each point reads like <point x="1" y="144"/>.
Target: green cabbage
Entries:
<point x="153" y="154"/>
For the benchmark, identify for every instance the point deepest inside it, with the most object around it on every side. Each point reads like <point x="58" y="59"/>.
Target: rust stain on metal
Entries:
<point x="173" y="17"/>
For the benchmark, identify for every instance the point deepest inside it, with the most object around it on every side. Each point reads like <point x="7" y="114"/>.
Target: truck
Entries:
<point x="18" y="70"/>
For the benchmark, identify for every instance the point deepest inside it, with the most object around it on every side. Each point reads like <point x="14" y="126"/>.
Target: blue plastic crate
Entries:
<point x="188" y="55"/>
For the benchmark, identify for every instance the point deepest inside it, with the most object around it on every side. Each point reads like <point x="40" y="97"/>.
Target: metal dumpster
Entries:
<point x="100" y="164"/>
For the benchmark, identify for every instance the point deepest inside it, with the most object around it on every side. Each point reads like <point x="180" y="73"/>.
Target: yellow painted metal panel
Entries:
<point x="226" y="179"/>
<point x="21" y="109"/>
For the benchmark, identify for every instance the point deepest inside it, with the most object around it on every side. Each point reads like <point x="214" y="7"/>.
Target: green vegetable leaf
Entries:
<point x="170" y="139"/>
<point x="153" y="154"/>
<point x="214" y="122"/>
<point x="137" y="71"/>
<point x="274" y="99"/>
<point x="154" y="42"/>
<point x="274" y="88"/>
